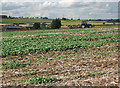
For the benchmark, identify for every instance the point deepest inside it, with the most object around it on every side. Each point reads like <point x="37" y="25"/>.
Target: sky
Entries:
<point x="83" y="9"/>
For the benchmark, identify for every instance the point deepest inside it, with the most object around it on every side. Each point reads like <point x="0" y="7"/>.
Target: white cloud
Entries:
<point x="58" y="9"/>
<point x="107" y="5"/>
<point x="60" y="0"/>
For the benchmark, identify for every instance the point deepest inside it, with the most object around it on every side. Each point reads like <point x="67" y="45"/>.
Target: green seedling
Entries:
<point x="101" y="73"/>
<point x="40" y="80"/>
<point x="14" y="64"/>
<point x="79" y="76"/>
<point x="90" y="74"/>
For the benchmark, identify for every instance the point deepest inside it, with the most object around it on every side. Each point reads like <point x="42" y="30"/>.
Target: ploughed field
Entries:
<point x="71" y="57"/>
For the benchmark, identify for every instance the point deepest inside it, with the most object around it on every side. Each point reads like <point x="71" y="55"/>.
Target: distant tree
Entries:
<point x="56" y="24"/>
<point x="118" y="20"/>
<point x="103" y="22"/>
<point x="36" y="17"/>
<point x="90" y="19"/>
<point x="111" y="20"/>
<point x="99" y="20"/>
<point x="78" y="19"/>
<point x="43" y="25"/>
<point x="9" y="17"/>
<point x="71" y="18"/>
<point x="64" y="18"/>
<point x="36" y="25"/>
<point x="44" y="17"/>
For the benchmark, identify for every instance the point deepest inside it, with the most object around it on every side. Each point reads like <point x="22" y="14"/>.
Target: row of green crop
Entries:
<point x="40" y="45"/>
<point x="69" y="31"/>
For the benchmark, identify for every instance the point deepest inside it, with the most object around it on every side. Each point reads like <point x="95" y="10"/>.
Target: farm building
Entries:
<point x="3" y="24"/>
<point x="29" y="27"/>
<point x="13" y="27"/>
<point x="23" y="25"/>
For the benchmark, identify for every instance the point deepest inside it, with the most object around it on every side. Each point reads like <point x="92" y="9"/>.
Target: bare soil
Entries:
<point x="65" y="69"/>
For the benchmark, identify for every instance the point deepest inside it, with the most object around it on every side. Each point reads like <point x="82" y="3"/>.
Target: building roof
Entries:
<point x="13" y="27"/>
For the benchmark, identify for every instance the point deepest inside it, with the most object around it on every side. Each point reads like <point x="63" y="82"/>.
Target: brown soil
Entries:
<point x="40" y="36"/>
<point x="32" y="36"/>
<point x="66" y="69"/>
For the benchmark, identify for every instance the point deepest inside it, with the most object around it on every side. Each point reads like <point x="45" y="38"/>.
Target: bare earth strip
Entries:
<point x="40" y="36"/>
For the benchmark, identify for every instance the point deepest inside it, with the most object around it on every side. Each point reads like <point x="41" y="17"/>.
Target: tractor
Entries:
<point x="85" y="25"/>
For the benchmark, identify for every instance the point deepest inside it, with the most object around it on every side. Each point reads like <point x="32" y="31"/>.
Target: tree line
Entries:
<point x="55" y="24"/>
<point x="10" y="17"/>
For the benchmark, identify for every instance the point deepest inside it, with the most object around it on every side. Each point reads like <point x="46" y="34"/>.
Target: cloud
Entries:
<point x="71" y="9"/>
<point x="11" y="5"/>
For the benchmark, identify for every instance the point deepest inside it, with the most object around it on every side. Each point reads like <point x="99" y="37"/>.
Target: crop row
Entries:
<point x="36" y="32"/>
<point x="41" y="45"/>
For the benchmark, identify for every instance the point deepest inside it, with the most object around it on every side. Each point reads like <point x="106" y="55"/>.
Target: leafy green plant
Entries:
<point x="36" y="45"/>
<point x="119" y="71"/>
<point x="14" y="64"/>
<point x="101" y="73"/>
<point x="79" y="76"/>
<point x="90" y="74"/>
<point x="40" y="80"/>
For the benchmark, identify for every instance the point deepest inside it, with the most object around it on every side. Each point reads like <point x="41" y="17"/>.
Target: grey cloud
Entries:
<point x="81" y="4"/>
<point x="10" y="6"/>
<point x="56" y="9"/>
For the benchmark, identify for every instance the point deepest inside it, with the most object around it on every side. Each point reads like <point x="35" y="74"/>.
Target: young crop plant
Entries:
<point x="101" y="73"/>
<point x="37" y="45"/>
<point x="79" y="76"/>
<point x="40" y="80"/>
<point x="119" y="71"/>
<point x="14" y="64"/>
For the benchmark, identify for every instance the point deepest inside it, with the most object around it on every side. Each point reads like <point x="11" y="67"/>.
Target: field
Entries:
<point x="48" y="21"/>
<point x="61" y="57"/>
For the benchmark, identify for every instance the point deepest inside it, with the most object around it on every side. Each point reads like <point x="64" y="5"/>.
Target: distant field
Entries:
<point x="9" y="21"/>
<point x="36" y="32"/>
<point x="48" y="21"/>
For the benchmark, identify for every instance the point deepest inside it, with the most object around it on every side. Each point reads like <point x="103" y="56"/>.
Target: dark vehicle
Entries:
<point x="85" y="25"/>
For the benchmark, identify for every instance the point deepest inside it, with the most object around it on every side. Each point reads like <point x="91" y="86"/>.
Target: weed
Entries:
<point x="101" y="73"/>
<point x="40" y="80"/>
<point x="78" y="76"/>
<point x="119" y="71"/>
<point x="90" y="74"/>
<point x="13" y="65"/>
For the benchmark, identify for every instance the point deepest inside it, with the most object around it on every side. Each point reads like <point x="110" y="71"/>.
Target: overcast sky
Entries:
<point x="88" y="9"/>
